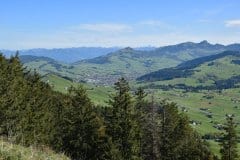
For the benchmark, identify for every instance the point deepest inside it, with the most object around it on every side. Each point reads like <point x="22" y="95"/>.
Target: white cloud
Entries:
<point x="233" y="23"/>
<point x="204" y="21"/>
<point x="104" y="27"/>
<point x="152" y="23"/>
<point x="157" y="23"/>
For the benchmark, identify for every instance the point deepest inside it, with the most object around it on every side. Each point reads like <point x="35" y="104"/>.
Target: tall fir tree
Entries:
<point x="151" y="132"/>
<point x="140" y="105"/>
<point x="230" y="140"/>
<point x="83" y="133"/>
<point x="122" y="121"/>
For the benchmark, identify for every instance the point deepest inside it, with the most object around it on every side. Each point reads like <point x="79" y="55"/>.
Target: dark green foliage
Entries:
<point x="177" y="139"/>
<point x="122" y="121"/>
<point x="166" y="74"/>
<point x="99" y="60"/>
<point x="33" y="114"/>
<point x="82" y="133"/>
<point x="229" y="141"/>
<point x="150" y="130"/>
<point x="140" y="118"/>
<point x="236" y="62"/>
<point x="231" y="82"/>
<point x="25" y="104"/>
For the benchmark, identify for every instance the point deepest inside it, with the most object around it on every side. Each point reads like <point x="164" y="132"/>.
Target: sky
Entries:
<point x="26" y="24"/>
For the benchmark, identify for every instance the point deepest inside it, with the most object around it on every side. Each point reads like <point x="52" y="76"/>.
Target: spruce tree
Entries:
<point x="169" y="121"/>
<point x="122" y="121"/>
<point x="83" y="133"/>
<point x="230" y="140"/>
<point x="151" y="132"/>
<point x="140" y="105"/>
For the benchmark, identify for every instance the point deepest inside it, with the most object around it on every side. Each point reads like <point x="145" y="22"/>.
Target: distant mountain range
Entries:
<point x="127" y="62"/>
<point x="69" y="55"/>
<point x="66" y="55"/>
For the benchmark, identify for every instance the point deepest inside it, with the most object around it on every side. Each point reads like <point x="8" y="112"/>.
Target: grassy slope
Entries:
<point x="206" y="73"/>
<point x="220" y="105"/>
<point x="126" y="65"/>
<point x="9" y="151"/>
<point x="98" y="94"/>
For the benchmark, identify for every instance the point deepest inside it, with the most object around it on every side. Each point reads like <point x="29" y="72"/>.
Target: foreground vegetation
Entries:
<point x="10" y="151"/>
<point x="206" y="109"/>
<point x="131" y="128"/>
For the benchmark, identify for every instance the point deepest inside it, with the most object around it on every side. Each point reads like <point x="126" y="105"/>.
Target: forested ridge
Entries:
<point x="130" y="128"/>
<point x="185" y="69"/>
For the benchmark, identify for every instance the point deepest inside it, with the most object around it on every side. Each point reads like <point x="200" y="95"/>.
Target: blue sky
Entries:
<point x="73" y="23"/>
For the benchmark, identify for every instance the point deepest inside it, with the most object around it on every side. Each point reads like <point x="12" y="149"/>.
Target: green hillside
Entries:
<point x="127" y="62"/>
<point x="208" y="92"/>
<point x="98" y="94"/>
<point x="219" y="71"/>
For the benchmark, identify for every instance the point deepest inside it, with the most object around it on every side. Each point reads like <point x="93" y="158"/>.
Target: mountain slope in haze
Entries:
<point x="45" y="65"/>
<point x="70" y="55"/>
<point x="66" y="55"/>
<point x="220" y="71"/>
<point x="29" y="58"/>
<point x="131" y="63"/>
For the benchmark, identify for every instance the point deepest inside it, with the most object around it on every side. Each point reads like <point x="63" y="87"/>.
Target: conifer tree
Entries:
<point x="169" y="121"/>
<point x="151" y="134"/>
<point x="229" y="141"/>
<point x="24" y="103"/>
<point x="122" y="121"/>
<point x="177" y="139"/>
<point x="83" y="133"/>
<point x="140" y="119"/>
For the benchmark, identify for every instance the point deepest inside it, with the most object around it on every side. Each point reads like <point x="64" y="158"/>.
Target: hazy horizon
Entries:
<point x="119" y="47"/>
<point x="71" y="23"/>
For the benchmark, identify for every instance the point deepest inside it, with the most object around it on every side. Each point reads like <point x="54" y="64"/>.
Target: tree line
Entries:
<point x="130" y="128"/>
